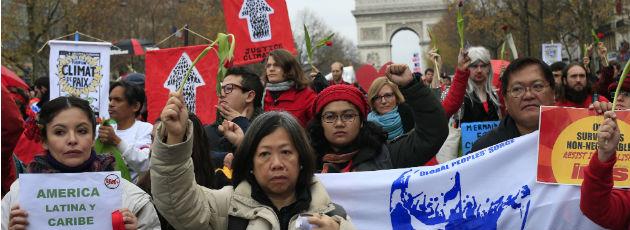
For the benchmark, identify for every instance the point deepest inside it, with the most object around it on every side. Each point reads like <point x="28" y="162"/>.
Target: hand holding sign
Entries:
<point x="129" y="219"/>
<point x="399" y="74"/>
<point x="608" y="137"/>
<point x="17" y="218"/>
<point x="600" y="107"/>
<point x="175" y="118"/>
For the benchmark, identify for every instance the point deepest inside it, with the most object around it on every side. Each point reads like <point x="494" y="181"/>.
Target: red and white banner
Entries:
<point x="259" y="27"/>
<point x="165" y="70"/>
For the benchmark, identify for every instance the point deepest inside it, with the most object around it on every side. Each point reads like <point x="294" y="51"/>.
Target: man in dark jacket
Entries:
<point x="527" y="84"/>
<point x="240" y="102"/>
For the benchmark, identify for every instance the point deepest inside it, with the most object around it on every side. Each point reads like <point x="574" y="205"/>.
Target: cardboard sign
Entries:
<point x="473" y="131"/>
<point x="568" y="140"/>
<point x="260" y="26"/>
<point x="81" y="69"/>
<point x="165" y="70"/>
<point x="70" y="200"/>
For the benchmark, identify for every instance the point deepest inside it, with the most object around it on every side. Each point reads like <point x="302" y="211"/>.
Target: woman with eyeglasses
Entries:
<point x="274" y="185"/>
<point x="345" y="141"/>
<point x="287" y="88"/>
<point x="388" y="108"/>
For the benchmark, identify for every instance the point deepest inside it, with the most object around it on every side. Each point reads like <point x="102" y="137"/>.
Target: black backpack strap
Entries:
<point x="338" y="211"/>
<point x="237" y="223"/>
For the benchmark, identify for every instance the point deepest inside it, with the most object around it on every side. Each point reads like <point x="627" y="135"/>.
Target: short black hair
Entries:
<point x="557" y="66"/>
<point x="261" y="127"/>
<point x="249" y="81"/>
<point x="428" y="70"/>
<point x="133" y="94"/>
<point x="51" y="109"/>
<point x="520" y="64"/>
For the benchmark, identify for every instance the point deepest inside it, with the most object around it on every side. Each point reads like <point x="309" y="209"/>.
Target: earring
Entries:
<point x="301" y="167"/>
<point x="251" y="172"/>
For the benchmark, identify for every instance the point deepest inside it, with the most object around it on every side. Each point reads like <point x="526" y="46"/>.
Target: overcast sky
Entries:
<point x="338" y="15"/>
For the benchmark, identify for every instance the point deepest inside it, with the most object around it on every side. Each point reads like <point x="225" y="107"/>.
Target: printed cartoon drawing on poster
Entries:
<point x="81" y="69"/>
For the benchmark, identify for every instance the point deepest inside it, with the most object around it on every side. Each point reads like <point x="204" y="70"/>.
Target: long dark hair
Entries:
<point x="52" y="108"/>
<point x="202" y="162"/>
<point x="371" y="136"/>
<point x="262" y="126"/>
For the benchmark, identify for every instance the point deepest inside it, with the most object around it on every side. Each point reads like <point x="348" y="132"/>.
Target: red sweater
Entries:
<point x="455" y="97"/>
<point x="299" y="103"/>
<point x="585" y="104"/>
<point x="604" y="205"/>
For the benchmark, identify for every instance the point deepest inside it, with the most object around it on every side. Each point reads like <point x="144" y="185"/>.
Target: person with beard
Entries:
<point x="577" y="91"/>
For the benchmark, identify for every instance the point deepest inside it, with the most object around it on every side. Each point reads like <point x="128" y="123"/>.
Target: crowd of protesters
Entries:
<point x="254" y="166"/>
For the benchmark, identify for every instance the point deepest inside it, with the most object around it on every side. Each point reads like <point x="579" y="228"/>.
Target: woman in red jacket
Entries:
<point x="287" y="87"/>
<point x="604" y="205"/>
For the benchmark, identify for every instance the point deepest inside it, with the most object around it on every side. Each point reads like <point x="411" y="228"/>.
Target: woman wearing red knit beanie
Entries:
<point x="345" y="141"/>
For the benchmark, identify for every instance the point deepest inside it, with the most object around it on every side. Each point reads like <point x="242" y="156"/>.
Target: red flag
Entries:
<point x="259" y="27"/>
<point x="165" y="71"/>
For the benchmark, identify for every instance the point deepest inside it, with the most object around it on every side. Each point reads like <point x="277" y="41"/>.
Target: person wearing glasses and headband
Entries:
<point x="346" y="141"/>
<point x="527" y="84"/>
<point x="389" y="109"/>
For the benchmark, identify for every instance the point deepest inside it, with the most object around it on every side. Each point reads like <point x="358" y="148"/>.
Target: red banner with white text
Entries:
<point x="259" y="27"/>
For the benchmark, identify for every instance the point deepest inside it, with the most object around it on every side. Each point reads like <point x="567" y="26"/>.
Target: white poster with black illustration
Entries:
<point x="81" y="69"/>
<point x="551" y="53"/>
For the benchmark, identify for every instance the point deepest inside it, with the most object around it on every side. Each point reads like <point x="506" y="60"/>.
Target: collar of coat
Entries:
<point x="243" y="205"/>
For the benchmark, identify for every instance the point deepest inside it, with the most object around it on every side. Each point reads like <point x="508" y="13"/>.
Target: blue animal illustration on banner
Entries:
<point x="452" y="209"/>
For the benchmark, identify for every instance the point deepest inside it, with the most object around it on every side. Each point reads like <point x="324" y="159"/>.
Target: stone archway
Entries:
<point x="379" y="20"/>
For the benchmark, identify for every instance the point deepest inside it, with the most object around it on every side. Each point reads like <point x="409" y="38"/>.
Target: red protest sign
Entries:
<point x="259" y="27"/>
<point x="568" y="140"/>
<point x="165" y="70"/>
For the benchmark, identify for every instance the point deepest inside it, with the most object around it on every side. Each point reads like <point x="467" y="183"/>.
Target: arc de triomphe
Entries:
<point x="379" y="20"/>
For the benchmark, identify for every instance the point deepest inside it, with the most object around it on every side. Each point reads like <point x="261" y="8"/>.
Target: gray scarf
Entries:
<point x="282" y="86"/>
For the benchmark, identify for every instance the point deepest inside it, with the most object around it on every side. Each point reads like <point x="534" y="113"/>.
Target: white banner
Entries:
<point x="551" y="53"/>
<point x="70" y="200"/>
<point x="81" y="69"/>
<point x="494" y="188"/>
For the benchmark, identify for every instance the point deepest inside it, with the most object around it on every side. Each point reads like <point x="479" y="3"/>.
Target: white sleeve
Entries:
<point x="136" y="154"/>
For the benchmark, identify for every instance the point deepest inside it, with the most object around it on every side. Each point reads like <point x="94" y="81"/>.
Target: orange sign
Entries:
<point x="568" y="140"/>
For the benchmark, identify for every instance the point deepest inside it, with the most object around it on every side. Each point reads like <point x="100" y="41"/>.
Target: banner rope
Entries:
<point x="73" y="33"/>
<point x="179" y="30"/>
